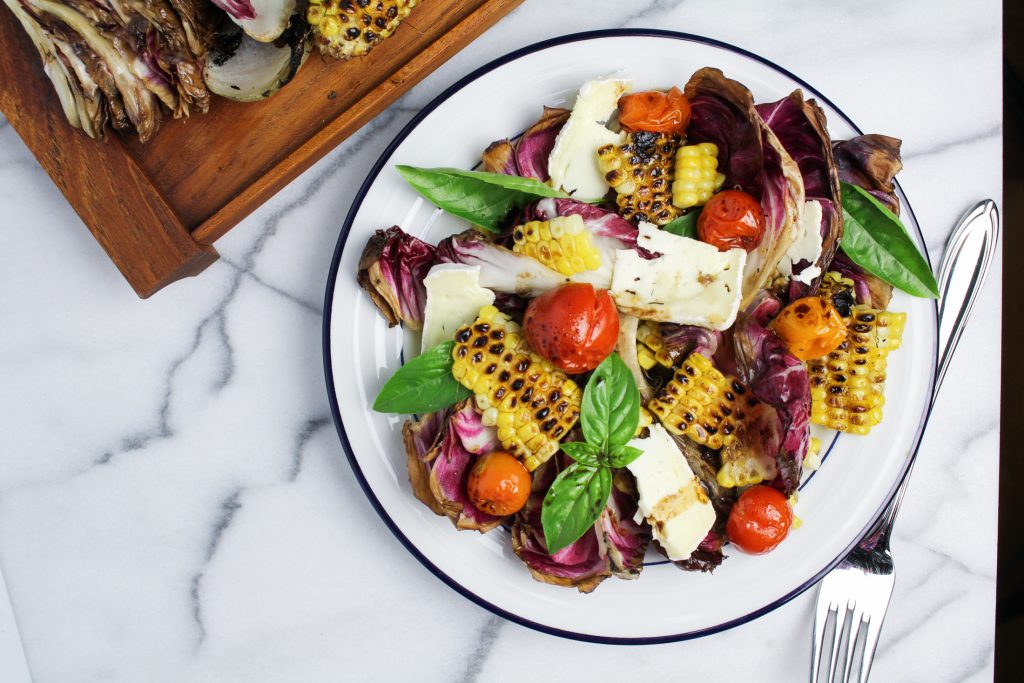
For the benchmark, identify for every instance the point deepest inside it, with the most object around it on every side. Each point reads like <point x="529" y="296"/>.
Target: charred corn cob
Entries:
<point x="350" y="28"/>
<point x="848" y="385"/>
<point x="532" y="403"/>
<point x="563" y="244"/>
<point x="649" y="348"/>
<point x="839" y="291"/>
<point x="742" y="467"/>
<point x="641" y="171"/>
<point x="697" y="175"/>
<point x="702" y="403"/>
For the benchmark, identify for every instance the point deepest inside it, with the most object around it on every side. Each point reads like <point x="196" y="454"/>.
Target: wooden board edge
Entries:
<point x="352" y="119"/>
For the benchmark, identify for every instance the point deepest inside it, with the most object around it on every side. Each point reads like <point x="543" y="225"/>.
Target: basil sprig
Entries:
<point x="609" y="415"/>
<point x="422" y="385"/>
<point x="481" y="198"/>
<point x="685" y="225"/>
<point x="875" y="239"/>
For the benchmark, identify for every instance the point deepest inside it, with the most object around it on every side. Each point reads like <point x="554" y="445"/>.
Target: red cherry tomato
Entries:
<point x="498" y="484"/>
<point x="575" y="326"/>
<point x="759" y="520"/>
<point x="655" y="111"/>
<point x="731" y="219"/>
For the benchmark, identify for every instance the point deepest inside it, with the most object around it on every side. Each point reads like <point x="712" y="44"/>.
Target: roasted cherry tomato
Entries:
<point x="731" y="219"/>
<point x="811" y="327"/>
<point x="759" y="520"/>
<point x="498" y="484"/>
<point x="656" y="111"/>
<point x="575" y="326"/>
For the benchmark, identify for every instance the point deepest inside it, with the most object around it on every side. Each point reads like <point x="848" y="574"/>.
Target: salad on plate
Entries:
<point x="657" y="294"/>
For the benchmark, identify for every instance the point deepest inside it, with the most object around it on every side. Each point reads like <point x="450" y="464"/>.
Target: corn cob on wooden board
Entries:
<point x="157" y="208"/>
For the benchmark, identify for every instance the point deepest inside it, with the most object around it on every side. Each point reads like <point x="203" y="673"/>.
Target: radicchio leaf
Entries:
<point x="624" y="540"/>
<point x="422" y="444"/>
<point x="582" y="564"/>
<point x="871" y="162"/>
<point x="752" y="159"/>
<point x="870" y="290"/>
<point x="679" y="341"/>
<point x="708" y="554"/>
<point x="627" y="350"/>
<point x="528" y="156"/>
<point x="600" y="222"/>
<point x="391" y="270"/>
<point x="779" y="380"/>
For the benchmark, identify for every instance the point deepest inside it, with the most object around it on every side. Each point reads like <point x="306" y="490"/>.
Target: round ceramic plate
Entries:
<point x="859" y="476"/>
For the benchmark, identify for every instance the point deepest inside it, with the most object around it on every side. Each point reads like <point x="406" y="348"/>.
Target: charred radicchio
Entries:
<point x="391" y="270"/>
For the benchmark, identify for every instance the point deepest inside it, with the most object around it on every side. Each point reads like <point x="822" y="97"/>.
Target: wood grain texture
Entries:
<point x="156" y="208"/>
<point x="141" y="233"/>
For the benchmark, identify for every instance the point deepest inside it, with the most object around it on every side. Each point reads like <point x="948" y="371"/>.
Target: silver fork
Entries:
<point x="853" y="597"/>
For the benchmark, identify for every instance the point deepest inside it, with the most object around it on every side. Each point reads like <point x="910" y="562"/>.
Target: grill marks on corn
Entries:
<point x="532" y="403"/>
<point x="642" y="171"/>
<point x="351" y="28"/>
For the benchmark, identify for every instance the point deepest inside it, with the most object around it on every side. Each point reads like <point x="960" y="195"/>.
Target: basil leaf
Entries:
<point x="684" y="226"/>
<point x="583" y="453"/>
<point x="610" y="411"/>
<point x="875" y="239"/>
<point x="481" y="198"/>
<point x="422" y="385"/>
<point x="621" y="456"/>
<point x="573" y="503"/>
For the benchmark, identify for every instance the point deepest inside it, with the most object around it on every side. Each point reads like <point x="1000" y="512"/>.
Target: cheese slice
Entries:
<point x="454" y="298"/>
<point x="572" y="163"/>
<point x="672" y="499"/>
<point x="691" y="283"/>
<point x="806" y="246"/>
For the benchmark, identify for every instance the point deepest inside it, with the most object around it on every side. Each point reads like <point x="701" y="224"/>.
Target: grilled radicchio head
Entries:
<point x="391" y="270"/>
<point x="528" y="157"/>
<point x="623" y="540"/>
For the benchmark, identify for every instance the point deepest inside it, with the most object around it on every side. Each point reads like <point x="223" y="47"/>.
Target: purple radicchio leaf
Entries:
<point x="528" y="156"/>
<point x="800" y="127"/>
<point x="582" y="564"/>
<point x="870" y="290"/>
<point x="624" y="540"/>
<point x="752" y="159"/>
<point x="391" y="270"/>
<point x="600" y="222"/>
<point x="449" y="471"/>
<point x="475" y="436"/>
<point x="871" y="162"/>
<point x="237" y="9"/>
<point x="779" y="380"/>
<point x="422" y="440"/>
<point x="679" y="341"/>
<point x="708" y="554"/>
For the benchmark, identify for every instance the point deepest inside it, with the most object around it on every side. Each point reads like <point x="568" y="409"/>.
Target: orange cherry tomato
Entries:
<point x="498" y="484"/>
<point x="655" y="111"/>
<point x="731" y="219"/>
<point x="760" y="520"/>
<point x="575" y="326"/>
<point x="811" y="327"/>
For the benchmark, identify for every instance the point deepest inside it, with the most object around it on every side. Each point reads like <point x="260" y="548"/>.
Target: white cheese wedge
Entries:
<point x="806" y="246"/>
<point x="454" y="298"/>
<point x="672" y="499"/>
<point x="573" y="160"/>
<point x="691" y="283"/>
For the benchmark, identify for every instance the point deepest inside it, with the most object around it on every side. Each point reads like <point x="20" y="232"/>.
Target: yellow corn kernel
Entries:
<point x="530" y="402"/>
<point x="650" y="346"/>
<point x="696" y="175"/>
<point x="646" y="420"/>
<point x="641" y="171"/>
<point x="350" y="28"/>
<point x="563" y="244"/>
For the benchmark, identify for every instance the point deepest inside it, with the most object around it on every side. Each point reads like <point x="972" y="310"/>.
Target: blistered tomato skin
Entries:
<point x="811" y="327"/>
<point x="655" y="111"/>
<point x="760" y="520"/>
<point x="498" y="484"/>
<point x="575" y="327"/>
<point x="731" y="219"/>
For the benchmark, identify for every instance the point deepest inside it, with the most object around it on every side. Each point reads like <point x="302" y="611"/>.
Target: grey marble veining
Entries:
<point x="175" y="505"/>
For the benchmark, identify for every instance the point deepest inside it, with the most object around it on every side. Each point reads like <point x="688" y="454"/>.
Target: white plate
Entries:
<point x="361" y="353"/>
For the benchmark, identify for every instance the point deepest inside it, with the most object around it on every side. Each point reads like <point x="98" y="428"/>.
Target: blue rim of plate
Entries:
<point x="332" y="277"/>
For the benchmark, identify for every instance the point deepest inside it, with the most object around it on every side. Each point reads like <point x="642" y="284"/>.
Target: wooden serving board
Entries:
<point x="157" y="208"/>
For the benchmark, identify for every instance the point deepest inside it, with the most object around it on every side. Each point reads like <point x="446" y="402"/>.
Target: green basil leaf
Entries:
<point x="573" y="503"/>
<point x="422" y="385"/>
<point x="583" y="453"/>
<point x="621" y="456"/>
<point x="610" y="411"/>
<point x="875" y="239"/>
<point x="684" y="226"/>
<point x="481" y="198"/>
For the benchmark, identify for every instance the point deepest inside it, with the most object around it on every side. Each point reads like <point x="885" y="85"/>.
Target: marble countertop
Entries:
<point x="174" y="501"/>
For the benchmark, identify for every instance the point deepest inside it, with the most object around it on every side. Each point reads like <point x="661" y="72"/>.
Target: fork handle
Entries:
<point x="965" y="264"/>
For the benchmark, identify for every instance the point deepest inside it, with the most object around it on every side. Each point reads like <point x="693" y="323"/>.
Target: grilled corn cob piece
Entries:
<point x="839" y="291"/>
<point x="848" y="385"/>
<point x="532" y="403"/>
<point x="697" y="175"/>
<point x="641" y="171"/>
<point x="350" y="28"/>
<point x="742" y="467"/>
<point x="649" y="348"/>
<point x="702" y="403"/>
<point x="563" y="244"/>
